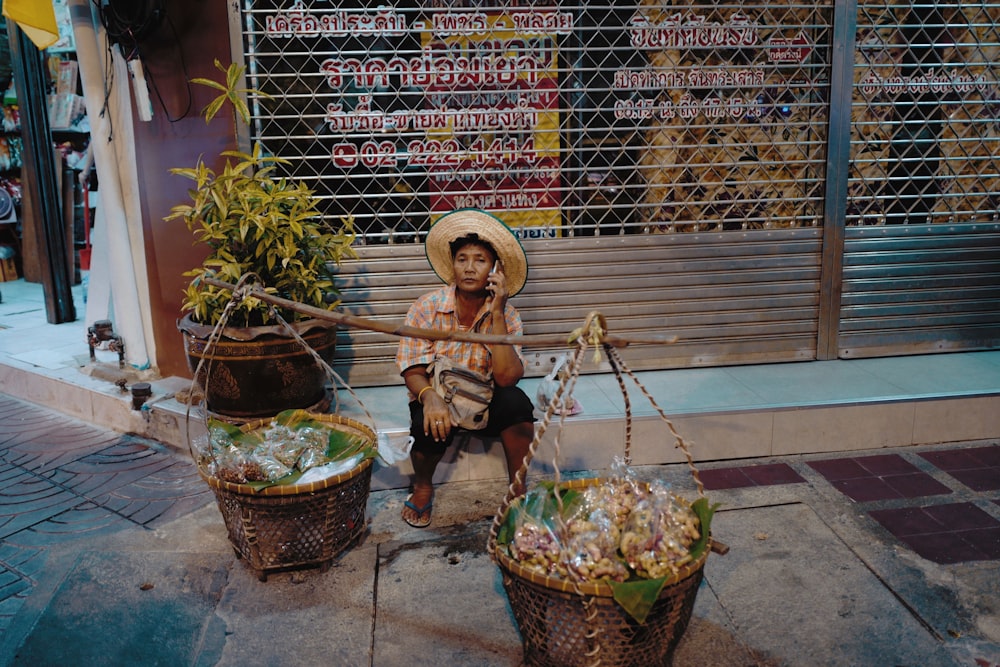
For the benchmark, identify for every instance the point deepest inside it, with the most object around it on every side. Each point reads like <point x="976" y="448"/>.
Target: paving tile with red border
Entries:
<point x="945" y="534"/>
<point x="977" y="467"/>
<point x="744" y="476"/>
<point x="879" y="477"/>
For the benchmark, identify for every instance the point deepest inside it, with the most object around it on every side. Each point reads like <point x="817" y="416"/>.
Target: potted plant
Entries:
<point x="255" y="222"/>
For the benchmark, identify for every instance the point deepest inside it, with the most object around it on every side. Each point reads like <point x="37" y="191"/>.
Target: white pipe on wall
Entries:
<point x="121" y="251"/>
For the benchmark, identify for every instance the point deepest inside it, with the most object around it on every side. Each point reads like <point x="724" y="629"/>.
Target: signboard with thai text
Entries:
<point x="460" y="106"/>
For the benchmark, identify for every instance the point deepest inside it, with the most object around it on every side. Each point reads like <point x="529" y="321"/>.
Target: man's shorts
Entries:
<point x="510" y="405"/>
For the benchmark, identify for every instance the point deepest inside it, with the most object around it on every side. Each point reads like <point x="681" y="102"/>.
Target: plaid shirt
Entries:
<point x="436" y="310"/>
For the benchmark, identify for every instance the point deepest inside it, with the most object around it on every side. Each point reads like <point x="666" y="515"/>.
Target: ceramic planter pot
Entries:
<point x="255" y="372"/>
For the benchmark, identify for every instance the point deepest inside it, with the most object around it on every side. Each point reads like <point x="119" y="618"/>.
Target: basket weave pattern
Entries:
<point x="552" y="612"/>
<point x="300" y="525"/>
<point x="568" y="624"/>
<point x="554" y="626"/>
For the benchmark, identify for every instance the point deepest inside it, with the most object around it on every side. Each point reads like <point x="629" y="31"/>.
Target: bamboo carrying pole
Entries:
<point x="245" y="288"/>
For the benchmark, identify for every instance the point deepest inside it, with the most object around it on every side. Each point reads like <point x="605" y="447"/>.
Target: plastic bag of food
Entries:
<point x="591" y="552"/>
<point x="312" y="437"/>
<point x="657" y="538"/>
<point x="310" y="458"/>
<point x="549" y="385"/>
<point x="618" y="495"/>
<point x="393" y="450"/>
<point x="281" y="443"/>
<point x="320" y="472"/>
<point x="202" y="449"/>
<point x="230" y="464"/>
<point x="535" y="542"/>
<point x="271" y="468"/>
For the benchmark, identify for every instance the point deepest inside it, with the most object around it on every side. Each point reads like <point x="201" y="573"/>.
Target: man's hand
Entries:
<point x="437" y="419"/>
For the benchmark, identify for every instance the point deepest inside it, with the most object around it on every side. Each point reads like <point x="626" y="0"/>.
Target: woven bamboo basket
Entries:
<point x="563" y="622"/>
<point x="568" y="624"/>
<point x="296" y="526"/>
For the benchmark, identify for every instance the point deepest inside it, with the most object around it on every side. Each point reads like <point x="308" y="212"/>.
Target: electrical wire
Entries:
<point x="109" y="76"/>
<point x="184" y="71"/>
<point x="128" y="29"/>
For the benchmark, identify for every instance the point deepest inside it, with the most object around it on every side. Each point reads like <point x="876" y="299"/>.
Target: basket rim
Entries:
<point x="295" y="489"/>
<point x="513" y="567"/>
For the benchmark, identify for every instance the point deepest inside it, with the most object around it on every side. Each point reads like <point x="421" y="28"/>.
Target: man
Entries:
<point x="482" y="265"/>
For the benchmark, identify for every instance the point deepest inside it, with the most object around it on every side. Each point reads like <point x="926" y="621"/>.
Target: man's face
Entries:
<point x="472" y="264"/>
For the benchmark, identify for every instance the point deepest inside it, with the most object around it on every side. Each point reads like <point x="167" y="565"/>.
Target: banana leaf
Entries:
<point x="290" y="478"/>
<point x="294" y="419"/>
<point x="637" y="596"/>
<point x="339" y="447"/>
<point x="222" y="429"/>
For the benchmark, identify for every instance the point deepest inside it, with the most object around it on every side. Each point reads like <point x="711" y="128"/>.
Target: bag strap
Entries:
<point x="475" y="329"/>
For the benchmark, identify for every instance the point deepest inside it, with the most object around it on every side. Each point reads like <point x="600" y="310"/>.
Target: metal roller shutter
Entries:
<point x="920" y="289"/>
<point x="922" y="251"/>
<point x="665" y="164"/>
<point x="729" y="297"/>
<point x="672" y="166"/>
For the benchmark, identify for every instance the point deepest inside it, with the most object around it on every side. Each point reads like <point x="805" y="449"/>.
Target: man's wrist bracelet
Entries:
<point x="420" y="395"/>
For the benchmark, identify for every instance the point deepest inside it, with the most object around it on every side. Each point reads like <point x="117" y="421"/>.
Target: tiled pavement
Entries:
<point x="871" y="515"/>
<point x="62" y="479"/>
<point x="937" y="503"/>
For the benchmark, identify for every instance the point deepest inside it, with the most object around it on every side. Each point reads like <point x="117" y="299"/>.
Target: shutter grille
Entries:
<point x="731" y="298"/>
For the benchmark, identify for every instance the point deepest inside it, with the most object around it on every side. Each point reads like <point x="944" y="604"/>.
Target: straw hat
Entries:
<point x="490" y="228"/>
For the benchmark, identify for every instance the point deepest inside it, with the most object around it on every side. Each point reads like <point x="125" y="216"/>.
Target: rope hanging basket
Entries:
<point x="295" y="526"/>
<point x="285" y="527"/>
<point x="562" y="626"/>
<point x="565" y="622"/>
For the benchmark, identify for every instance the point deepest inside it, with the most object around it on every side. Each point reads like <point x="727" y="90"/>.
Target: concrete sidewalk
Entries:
<point x="113" y="552"/>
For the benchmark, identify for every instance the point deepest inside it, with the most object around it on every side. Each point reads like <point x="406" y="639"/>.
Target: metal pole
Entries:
<point x="40" y="183"/>
<point x="834" y="216"/>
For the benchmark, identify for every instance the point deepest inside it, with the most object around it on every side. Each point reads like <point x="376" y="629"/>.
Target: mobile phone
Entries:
<point x="496" y="265"/>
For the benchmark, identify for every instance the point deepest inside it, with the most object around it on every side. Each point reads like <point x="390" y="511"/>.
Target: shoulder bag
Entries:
<point x="467" y="393"/>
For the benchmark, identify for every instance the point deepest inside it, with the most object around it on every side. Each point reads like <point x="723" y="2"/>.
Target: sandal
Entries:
<point x="423" y="513"/>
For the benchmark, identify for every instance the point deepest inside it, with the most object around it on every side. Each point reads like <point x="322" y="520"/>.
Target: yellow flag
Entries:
<point x="37" y="18"/>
